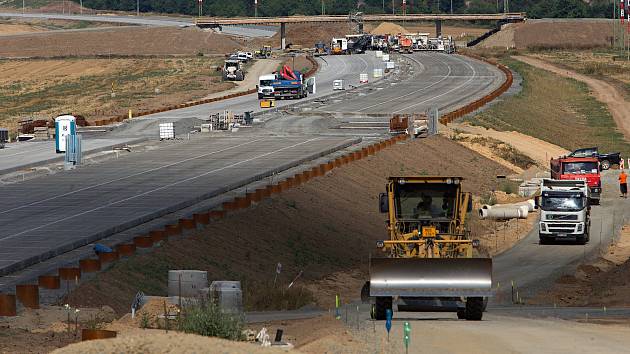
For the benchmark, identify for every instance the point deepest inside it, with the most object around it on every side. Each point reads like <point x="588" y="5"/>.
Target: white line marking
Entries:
<point x="156" y="189"/>
<point x="447" y="92"/>
<point x="129" y="176"/>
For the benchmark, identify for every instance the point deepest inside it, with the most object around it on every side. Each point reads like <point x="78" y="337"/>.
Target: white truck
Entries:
<point x="565" y="211"/>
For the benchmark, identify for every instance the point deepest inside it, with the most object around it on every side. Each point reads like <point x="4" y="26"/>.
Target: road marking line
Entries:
<point x="449" y="91"/>
<point x="413" y="92"/>
<point x="158" y="189"/>
<point x="126" y="177"/>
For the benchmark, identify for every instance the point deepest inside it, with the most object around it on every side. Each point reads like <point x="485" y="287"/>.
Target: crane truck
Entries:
<point x="565" y="211"/>
<point x="283" y="84"/>
<point x="427" y="262"/>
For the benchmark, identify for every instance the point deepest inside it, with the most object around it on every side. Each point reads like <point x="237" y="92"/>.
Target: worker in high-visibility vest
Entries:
<point x="623" y="184"/>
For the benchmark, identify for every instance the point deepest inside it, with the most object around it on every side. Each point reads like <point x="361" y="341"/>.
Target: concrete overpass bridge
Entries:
<point x="358" y="18"/>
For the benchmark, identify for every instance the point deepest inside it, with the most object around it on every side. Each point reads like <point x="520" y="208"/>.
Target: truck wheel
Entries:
<point x="239" y="76"/>
<point x="605" y="165"/>
<point x="474" y="308"/>
<point x="461" y="314"/>
<point x="225" y="78"/>
<point x="381" y="307"/>
<point x="260" y="96"/>
<point x="581" y="240"/>
<point x="542" y="240"/>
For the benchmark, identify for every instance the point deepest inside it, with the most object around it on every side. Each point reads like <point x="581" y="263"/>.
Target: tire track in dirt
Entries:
<point x="601" y="90"/>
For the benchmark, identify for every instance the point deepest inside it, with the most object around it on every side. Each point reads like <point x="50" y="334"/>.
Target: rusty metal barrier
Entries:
<point x="473" y="106"/>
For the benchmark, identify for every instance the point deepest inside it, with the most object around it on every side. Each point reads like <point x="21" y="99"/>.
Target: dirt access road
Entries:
<point x="443" y="333"/>
<point x="602" y="91"/>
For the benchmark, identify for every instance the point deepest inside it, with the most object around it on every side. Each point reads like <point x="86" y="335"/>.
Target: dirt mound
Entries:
<point x="162" y="343"/>
<point x="556" y="33"/>
<point x="118" y="41"/>
<point x="327" y="225"/>
<point x="388" y="28"/>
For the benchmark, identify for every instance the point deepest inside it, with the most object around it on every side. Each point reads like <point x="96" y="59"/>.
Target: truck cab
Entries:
<point x="564" y="211"/>
<point x="580" y="169"/>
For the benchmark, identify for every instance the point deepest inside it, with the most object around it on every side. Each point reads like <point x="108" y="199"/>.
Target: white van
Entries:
<point x="338" y="85"/>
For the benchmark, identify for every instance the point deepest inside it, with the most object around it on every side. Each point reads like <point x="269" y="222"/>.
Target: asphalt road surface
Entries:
<point x="47" y="216"/>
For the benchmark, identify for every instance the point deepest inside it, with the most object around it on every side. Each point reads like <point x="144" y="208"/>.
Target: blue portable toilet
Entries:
<point x="64" y="125"/>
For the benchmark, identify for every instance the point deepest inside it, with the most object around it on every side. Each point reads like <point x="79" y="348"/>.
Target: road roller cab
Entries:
<point x="426" y="263"/>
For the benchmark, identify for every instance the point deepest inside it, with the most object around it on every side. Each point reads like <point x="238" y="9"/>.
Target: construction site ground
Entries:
<point x="345" y="199"/>
<point x="101" y="88"/>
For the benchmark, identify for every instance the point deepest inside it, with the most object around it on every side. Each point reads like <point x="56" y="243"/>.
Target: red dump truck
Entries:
<point x="579" y="168"/>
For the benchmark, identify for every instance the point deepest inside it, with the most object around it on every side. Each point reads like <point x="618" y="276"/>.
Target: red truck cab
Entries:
<point x="579" y="168"/>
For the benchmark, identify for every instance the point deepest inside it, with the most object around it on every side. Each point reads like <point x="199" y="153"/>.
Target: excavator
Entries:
<point x="427" y="264"/>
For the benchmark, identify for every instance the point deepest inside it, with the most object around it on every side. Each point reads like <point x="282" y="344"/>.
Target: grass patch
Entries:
<point x="556" y="110"/>
<point x="265" y="296"/>
<point x="206" y="319"/>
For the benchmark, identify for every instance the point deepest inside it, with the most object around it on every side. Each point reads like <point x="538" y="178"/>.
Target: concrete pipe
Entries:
<point x="514" y="212"/>
<point x="530" y="204"/>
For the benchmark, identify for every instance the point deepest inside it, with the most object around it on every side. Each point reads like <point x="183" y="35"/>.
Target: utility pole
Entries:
<point x="256" y="8"/>
<point x="324" y="7"/>
<point x="137" y="7"/>
<point x="451" y="7"/>
<point x="81" y="7"/>
<point x="23" y="5"/>
<point x="393" y="8"/>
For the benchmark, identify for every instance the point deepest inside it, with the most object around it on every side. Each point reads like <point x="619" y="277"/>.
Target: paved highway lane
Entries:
<point x="438" y="80"/>
<point x="44" y="217"/>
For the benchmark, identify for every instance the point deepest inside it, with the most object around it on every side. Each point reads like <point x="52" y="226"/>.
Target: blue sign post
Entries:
<point x="388" y="321"/>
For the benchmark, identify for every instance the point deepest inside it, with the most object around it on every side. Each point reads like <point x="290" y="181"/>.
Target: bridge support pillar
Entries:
<point x="438" y="28"/>
<point x="283" y="35"/>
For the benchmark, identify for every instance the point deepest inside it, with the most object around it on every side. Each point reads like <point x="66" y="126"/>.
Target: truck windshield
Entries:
<point x="425" y="201"/>
<point x="265" y="82"/>
<point x="565" y="203"/>
<point x="579" y="167"/>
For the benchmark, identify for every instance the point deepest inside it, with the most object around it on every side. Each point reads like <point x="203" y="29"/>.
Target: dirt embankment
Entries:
<point x="552" y="33"/>
<point x="118" y="41"/>
<point x="603" y="282"/>
<point x="324" y="227"/>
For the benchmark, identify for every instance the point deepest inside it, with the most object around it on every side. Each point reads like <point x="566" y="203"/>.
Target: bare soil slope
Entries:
<point x="118" y="41"/>
<point x="307" y="34"/>
<point x="326" y="226"/>
<point x="556" y="33"/>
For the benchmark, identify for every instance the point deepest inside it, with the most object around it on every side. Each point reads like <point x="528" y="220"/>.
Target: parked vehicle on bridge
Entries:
<point x="580" y="169"/>
<point x="565" y="211"/>
<point x="285" y="84"/>
<point x="605" y="160"/>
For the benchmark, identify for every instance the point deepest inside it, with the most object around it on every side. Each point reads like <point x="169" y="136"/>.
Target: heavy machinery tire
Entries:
<point x="543" y="240"/>
<point x="381" y="306"/>
<point x="225" y="78"/>
<point x="260" y="96"/>
<point x="474" y="308"/>
<point x="461" y="314"/>
<point x="605" y="165"/>
<point x="239" y="76"/>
